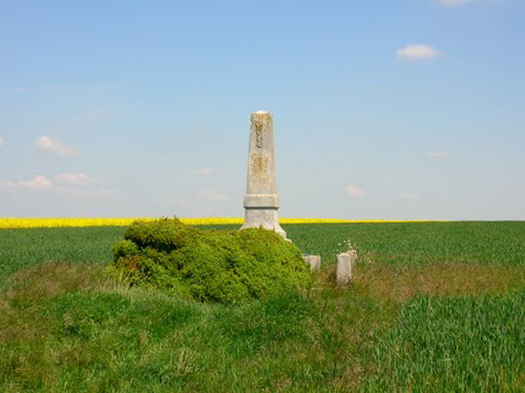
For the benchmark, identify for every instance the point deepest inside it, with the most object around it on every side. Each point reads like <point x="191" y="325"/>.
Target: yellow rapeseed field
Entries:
<point x="97" y="222"/>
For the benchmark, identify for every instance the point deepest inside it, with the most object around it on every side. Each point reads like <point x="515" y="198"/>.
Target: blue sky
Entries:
<point x="409" y="109"/>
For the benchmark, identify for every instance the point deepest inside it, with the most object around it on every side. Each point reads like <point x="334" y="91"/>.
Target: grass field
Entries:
<point x="433" y="307"/>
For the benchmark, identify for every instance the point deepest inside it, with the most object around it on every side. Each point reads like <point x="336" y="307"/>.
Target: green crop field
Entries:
<point x="432" y="307"/>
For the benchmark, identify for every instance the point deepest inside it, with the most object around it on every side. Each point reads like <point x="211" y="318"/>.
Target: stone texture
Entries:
<point x="344" y="269"/>
<point x="261" y="201"/>
<point x="314" y="261"/>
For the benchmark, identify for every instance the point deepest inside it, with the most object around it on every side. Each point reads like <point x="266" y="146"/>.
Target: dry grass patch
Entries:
<point x="50" y="279"/>
<point x="400" y="283"/>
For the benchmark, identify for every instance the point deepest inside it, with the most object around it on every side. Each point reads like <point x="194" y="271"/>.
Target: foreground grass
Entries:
<point x="64" y="328"/>
<point x="433" y="307"/>
<point x="454" y="344"/>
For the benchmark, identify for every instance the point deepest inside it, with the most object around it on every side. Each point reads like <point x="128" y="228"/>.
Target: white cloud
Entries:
<point x="2" y="142"/>
<point x="208" y="171"/>
<point x="55" y="146"/>
<point x="408" y="196"/>
<point x="437" y="155"/>
<point x="40" y="182"/>
<point x="69" y="184"/>
<point x="13" y="90"/>
<point x="86" y="193"/>
<point x="453" y="3"/>
<point x="417" y="52"/>
<point x="106" y="192"/>
<point x="75" y="179"/>
<point x="355" y="192"/>
<point x="212" y="196"/>
<point x="71" y="191"/>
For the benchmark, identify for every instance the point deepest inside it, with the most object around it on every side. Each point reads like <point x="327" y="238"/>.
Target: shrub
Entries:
<point x="162" y="235"/>
<point x="207" y="265"/>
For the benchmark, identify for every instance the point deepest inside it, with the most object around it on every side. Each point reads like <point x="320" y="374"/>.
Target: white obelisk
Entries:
<point x="261" y="201"/>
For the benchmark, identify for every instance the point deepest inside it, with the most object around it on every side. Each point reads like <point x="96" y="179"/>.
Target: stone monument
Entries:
<point x="261" y="201"/>
<point x="314" y="261"/>
<point x="345" y="262"/>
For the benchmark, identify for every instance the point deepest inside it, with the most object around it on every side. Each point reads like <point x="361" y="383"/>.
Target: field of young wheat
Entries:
<point x="433" y="306"/>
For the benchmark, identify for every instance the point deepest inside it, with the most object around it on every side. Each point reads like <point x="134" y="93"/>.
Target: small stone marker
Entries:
<point x="344" y="268"/>
<point x="314" y="261"/>
<point x="261" y="201"/>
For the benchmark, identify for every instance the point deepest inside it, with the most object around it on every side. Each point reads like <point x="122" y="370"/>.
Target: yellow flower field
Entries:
<point x="6" y="223"/>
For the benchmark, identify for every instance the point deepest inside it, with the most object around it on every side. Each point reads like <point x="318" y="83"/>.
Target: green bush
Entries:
<point x="162" y="235"/>
<point x="207" y="265"/>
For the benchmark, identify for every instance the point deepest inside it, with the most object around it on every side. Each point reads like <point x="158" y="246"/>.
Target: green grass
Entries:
<point x="24" y="248"/>
<point x="65" y="327"/>
<point x="62" y="328"/>
<point x="415" y="243"/>
<point x="391" y="243"/>
<point x="454" y="344"/>
<point x="418" y="243"/>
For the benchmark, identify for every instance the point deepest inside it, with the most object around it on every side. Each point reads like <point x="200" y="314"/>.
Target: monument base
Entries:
<point x="262" y="217"/>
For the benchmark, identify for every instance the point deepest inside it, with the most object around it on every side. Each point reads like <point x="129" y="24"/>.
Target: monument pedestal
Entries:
<point x="261" y="215"/>
<point x="261" y="201"/>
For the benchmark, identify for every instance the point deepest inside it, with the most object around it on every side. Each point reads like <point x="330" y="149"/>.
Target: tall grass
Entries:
<point x="62" y="328"/>
<point x="454" y="344"/>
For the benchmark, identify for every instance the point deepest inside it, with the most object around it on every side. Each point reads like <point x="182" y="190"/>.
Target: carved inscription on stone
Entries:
<point x="258" y="133"/>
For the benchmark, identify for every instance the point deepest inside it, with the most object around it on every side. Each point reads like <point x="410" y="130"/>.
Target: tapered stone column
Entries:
<point x="261" y="201"/>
